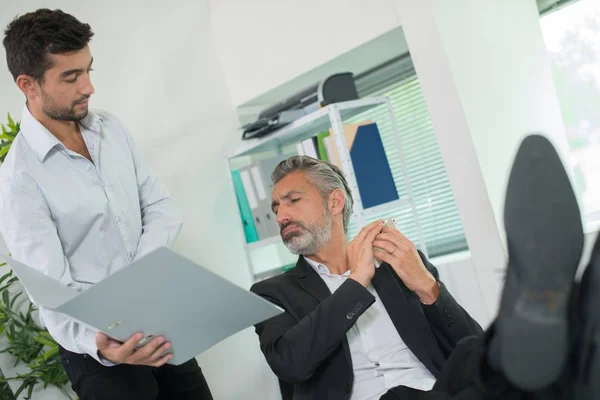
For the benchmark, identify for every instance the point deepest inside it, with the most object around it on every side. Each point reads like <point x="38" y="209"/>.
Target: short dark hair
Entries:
<point x="30" y="38"/>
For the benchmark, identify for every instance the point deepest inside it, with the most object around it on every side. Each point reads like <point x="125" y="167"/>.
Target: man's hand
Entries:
<point x="360" y="253"/>
<point x="403" y="257"/>
<point x="152" y="354"/>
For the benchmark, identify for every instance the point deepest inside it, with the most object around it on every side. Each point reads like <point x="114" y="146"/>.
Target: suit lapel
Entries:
<point x="310" y="281"/>
<point x="409" y="320"/>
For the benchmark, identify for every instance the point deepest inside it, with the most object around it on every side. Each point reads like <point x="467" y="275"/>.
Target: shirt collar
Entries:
<point x="322" y="269"/>
<point x="41" y="140"/>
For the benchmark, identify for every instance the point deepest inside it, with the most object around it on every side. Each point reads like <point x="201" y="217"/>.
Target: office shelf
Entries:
<point x="305" y="127"/>
<point x="330" y="118"/>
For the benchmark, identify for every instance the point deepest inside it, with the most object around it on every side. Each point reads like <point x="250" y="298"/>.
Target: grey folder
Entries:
<point x="261" y="176"/>
<point x="162" y="293"/>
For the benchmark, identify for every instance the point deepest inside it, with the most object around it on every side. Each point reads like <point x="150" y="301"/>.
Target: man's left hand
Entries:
<point x="403" y="257"/>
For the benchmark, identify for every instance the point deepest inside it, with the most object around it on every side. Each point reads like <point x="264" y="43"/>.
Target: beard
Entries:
<point x="62" y="113"/>
<point x="308" y="239"/>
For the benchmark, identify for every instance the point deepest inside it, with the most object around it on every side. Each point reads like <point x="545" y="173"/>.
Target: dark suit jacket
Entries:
<point x="307" y="346"/>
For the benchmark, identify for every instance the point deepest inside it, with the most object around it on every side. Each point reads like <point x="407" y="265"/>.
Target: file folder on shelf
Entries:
<point x="321" y="146"/>
<point x="162" y="294"/>
<point x="371" y="167"/>
<point x="261" y="174"/>
<point x="256" y="207"/>
<point x="308" y="147"/>
<point x="245" y="211"/>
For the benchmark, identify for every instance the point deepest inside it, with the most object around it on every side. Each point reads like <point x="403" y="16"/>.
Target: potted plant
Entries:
<point x="28" y="343"/>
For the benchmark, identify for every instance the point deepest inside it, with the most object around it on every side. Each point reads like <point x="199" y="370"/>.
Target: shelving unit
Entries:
<point x="331" y="116"/>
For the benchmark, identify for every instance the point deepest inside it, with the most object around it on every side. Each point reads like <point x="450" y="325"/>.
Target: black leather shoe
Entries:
<point x="545" y="242"/>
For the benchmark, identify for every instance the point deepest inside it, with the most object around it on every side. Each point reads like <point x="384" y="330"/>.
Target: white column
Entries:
<point x="487" y="81"/>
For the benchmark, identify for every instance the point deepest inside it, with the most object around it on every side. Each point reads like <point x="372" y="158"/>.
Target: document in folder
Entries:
<point x="161" y="294"/>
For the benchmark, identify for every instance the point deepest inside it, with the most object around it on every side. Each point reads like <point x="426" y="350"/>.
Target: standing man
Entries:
<point x="78" y="202"/>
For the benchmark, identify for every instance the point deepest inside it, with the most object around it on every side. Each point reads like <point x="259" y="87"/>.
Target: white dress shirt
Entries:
<point x="380" y="358"/>
<point x="79" y="221"/>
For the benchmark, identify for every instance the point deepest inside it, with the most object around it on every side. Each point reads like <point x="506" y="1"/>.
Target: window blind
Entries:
<point x="440" y="222"/>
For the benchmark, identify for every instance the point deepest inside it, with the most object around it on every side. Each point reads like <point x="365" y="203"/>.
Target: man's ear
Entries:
<point x="28" y="85"/>
<point x="337" y="200"/>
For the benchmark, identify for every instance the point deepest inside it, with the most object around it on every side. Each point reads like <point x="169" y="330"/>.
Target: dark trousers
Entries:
<point x="468" y="376"/>
<point x="94" y="381"/>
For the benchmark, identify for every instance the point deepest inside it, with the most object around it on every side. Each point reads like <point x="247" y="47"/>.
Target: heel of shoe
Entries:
<point x="540" y="358"/>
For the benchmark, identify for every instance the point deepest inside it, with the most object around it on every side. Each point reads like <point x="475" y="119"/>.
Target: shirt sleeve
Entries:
<point x="161" y="221"/>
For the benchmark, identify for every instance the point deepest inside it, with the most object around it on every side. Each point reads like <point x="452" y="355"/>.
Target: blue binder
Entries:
<point x="371" y="168"/>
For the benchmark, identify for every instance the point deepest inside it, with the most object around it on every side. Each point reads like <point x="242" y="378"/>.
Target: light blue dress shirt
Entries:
<point x="79" y="221"/>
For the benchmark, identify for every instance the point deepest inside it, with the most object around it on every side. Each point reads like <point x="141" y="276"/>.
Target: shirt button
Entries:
<point x="349" y="315"/>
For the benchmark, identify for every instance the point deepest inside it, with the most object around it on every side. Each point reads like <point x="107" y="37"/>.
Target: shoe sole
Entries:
<point x="545" y="241"/>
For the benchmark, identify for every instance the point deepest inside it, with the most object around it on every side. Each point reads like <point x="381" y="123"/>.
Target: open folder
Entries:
<point x="162" y="293"/>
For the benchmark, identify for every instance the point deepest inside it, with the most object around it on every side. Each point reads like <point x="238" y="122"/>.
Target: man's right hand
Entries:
<point x="360" y="253"/>
<point x="151" y="354"/>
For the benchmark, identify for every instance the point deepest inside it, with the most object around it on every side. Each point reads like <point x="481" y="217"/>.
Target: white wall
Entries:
<point x="157" y="69"/>
<point x="487" y="81"/>
<point x="459" y="274"/>
<point x="263" y="44"/>
<point x="504" y="79"/>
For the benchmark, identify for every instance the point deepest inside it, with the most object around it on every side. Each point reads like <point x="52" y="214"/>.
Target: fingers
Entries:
<point x="162" y="361"/>
<point x="160" y="351"/>
<point x="101" y="340"/>
<point x="394" y="232"/>
<point x="373" y="231"/>
<point x="367" y="229"/>
<point x="144" y="354"/>
<point x="128" y="347"/>
<point x="385" y="257"/>
<point x="396" y="237"/>
<point x="385" y="246"/>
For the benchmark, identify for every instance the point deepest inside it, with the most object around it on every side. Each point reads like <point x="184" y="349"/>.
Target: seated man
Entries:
<point x="409" y="323"/>
<point x="354" y="331"/>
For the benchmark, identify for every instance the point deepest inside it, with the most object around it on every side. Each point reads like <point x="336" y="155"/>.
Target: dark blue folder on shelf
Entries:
<point x="371" y="167"/>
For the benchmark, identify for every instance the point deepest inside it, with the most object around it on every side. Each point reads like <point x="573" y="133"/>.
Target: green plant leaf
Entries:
<point x="3" y="152"/>
<point x="4" y="130"/>
<point x="11" y="123"/>
<point x="12" y="302"/>
<point x="5" y="276"/>
<point x="45" y="341"/>
<point x="5" y="298"/>
<point x="20" y="389"/>
<point x="50" y="353"/>
<point x="6" y="136"/>
<point x="46" y="335"/>
<point x="28" y="343"/>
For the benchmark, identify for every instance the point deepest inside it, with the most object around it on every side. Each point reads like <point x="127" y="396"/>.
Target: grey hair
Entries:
<point x="324" y="176"/>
